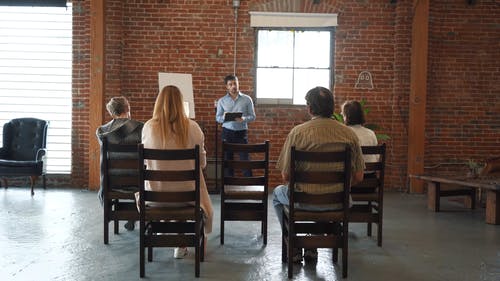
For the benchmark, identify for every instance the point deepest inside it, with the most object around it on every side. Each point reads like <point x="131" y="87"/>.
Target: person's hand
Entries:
<point x="240" y="120"/>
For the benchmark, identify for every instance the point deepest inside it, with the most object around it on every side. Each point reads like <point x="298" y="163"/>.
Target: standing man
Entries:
<point x="321" y="133"/>
<point x="235" y="131"/>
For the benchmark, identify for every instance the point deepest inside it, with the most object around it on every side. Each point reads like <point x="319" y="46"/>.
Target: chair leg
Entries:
<point x="203" y="245"/>
<point x="345" y="247"/>
<point x="290" y="257"/>
<point x="142" y="257"/>
<point x="33" y="180"/>
<point x="283" y="248"/>
<point x="106" y="223"/>
<point x="197" y="255"/>
<point x="116" y="222"/>
<point x="344" y="262"/>
<point x="369" y="224"/>
<point x="473" y="198"/>
<point x="44" y="181"/>
<point x="264" y="230"/>
<point x="150" y="254"/>
<point x="335" y="255"/>
<point x="222" y="224"/>
<point x="379" y="233"/>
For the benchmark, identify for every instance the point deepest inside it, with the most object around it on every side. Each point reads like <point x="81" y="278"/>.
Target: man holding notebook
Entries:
<point x="234" y="111"/>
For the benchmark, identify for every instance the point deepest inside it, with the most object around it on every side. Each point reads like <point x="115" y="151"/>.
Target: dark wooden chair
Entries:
<point x="170" y="226"/>
<point x="245" y="198"/>
<point x="24" y="150"/>
<point x="317" y="229"/>
<point x="119" y="180"/>
<point x="368" y="195"/>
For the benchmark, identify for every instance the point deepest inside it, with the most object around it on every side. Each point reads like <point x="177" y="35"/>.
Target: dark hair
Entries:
<point x="117" y="106"/>
<point x="353" y="113"/>
<point x="320" y="101"/>
<point x="230" y="77"/>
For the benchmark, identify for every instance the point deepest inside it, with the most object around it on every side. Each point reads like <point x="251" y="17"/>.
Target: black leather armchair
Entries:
<point x="24" y="149"/>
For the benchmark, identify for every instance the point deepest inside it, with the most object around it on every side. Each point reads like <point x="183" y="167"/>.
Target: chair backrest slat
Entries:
<point x="250" y="164"/>
<point x="249" y="148"/>
<point x="245" y="181"/>
<point x="316" y="177"/>
<point x="317" y="199"/>
<point x="170" y="197"/>
<point x="169" y="154"/>
<point x="184" y="175"/>
<point x="122" y="164"/>
<point x="316" y="156"/>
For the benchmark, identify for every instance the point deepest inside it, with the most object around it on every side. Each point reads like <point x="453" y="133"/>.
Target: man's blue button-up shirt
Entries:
<point x="243" y="103"/>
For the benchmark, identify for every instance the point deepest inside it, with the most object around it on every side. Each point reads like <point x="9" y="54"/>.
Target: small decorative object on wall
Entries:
<point x="364" y="81"/>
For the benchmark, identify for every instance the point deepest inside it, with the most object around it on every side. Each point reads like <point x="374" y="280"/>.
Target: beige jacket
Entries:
<point x="150" y="139"/>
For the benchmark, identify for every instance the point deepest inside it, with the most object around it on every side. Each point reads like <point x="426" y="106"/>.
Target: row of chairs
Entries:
<point x="242" y="199"/>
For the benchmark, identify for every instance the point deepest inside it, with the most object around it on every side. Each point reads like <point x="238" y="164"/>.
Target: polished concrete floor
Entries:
<point x="57" y="235"/>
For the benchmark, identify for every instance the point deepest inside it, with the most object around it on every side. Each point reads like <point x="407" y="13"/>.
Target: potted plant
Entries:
<point x="474" y="168"/>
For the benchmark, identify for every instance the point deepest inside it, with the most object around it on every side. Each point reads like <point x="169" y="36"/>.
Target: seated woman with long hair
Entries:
<point x="170" y="128"/>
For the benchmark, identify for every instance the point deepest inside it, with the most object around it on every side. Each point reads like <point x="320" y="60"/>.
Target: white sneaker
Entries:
<point x="180" y="253"/>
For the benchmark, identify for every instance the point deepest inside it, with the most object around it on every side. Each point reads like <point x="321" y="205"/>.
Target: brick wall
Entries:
<point x="463" y="120"/>
<point x="147" y="37"/>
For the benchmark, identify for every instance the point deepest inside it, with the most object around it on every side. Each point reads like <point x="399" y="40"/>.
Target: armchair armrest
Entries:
<point x="40" y="154"/>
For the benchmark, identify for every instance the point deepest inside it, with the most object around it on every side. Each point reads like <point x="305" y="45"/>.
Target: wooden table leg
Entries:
<point x="493" y="206"/>
<point x="433" y="190"/>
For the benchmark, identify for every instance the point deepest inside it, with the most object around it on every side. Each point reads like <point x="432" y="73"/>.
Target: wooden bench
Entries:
<point x="490" y="184"/>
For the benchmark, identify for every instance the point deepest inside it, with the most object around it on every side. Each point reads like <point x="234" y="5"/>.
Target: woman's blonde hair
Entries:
<point x="169" y="117"/>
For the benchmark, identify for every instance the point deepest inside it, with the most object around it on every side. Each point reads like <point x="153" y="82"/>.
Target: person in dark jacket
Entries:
<point x="120" y="130"/>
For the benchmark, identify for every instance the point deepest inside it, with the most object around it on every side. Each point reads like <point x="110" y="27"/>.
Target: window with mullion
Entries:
<point x="290" y="62"/>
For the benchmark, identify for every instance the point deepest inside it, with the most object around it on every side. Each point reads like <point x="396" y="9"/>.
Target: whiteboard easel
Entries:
<point x="184" y="82"/>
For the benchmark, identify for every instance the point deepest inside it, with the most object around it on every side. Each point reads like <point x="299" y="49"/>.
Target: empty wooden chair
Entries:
<point x="368" y="195"/>
<point x="245" y="198"/>
<point x="170" y="218"/>
<point x="119" y="180"/>
<point x="317" y="229"/>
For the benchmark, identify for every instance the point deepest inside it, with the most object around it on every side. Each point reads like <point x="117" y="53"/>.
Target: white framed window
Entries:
<point x="35" y="74"/>
<point x="294" y="53"/>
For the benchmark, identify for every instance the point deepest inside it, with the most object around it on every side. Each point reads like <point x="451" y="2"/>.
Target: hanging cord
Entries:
<point x="235" y="36"/>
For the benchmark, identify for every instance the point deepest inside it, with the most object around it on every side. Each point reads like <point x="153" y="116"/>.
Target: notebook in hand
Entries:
<point x="231" y="116"/>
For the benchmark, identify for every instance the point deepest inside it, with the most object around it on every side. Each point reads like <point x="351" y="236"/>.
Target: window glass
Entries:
<point x="275" y="83"/>
<point x="306" y="79"/>
<point x="35" y="74"/>
<point x="275" y="48"/>
<point x="290" y="62"/>
<point x="312" y="49"/>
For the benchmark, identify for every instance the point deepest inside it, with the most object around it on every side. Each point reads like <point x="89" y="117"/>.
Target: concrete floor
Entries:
<point x="57" y="235"/>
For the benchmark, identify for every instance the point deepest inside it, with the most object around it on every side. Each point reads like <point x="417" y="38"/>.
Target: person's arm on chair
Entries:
<point x="357" y="177"/>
